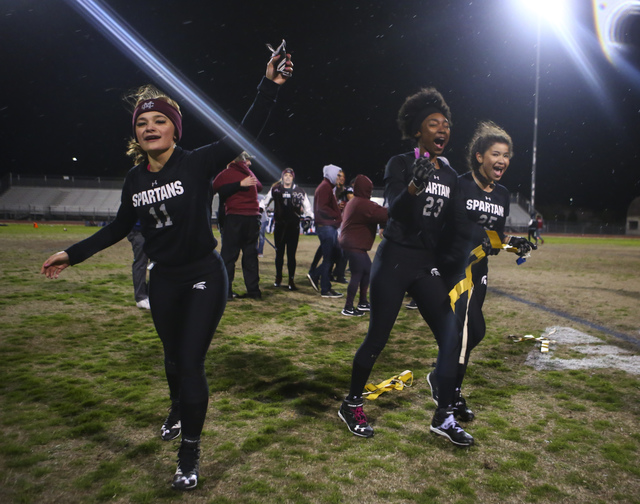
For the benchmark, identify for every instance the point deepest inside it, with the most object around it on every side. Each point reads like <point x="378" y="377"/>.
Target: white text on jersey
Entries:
<point x="484" y="206"/>
<point x="158" y="194"/>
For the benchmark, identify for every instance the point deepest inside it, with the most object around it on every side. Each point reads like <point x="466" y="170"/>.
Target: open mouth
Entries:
<point x="439" y="142"/>
<point x="151" y="137"/>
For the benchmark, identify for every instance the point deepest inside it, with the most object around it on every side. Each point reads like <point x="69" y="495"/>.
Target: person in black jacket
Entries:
<point x="418" y="187"/>
<point x="169" y="191"/>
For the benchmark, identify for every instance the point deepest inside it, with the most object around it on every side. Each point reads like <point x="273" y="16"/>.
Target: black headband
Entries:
<point x="416" y="124"/>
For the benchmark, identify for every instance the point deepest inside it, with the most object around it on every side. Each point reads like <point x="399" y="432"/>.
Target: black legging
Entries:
<point x="360" y="265"/>
<point x="472" y="316"/>
<point x="286" y="234"/>
<point x="396" y="270"/>
<point x="187" y="303"/>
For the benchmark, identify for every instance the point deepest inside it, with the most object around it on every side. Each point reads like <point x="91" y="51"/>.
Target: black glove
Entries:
<point x="523" y="245"/>
<point x="306" y="224"/>
<point x="488" y="248"/>
<point x="423" y="168"/>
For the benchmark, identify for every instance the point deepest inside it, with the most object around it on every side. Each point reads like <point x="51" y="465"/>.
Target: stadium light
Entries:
<point x="153" y="63"/>
<point x="556" y="13"/>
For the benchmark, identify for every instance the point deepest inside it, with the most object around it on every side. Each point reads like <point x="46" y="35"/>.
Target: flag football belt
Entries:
<point x="476" y="255"/>
<point x="466" y="284"/>
<point x="544" y="341"/>
<point x="398" y="382"/>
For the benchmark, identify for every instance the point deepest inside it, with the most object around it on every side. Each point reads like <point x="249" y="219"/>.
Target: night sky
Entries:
<point x="355" y="62"/>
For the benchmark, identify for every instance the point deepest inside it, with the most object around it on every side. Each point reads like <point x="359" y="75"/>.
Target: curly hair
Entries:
<point x="408" y="115"/>
<point x="487" y="133"/>
<point x="133" y="98"/>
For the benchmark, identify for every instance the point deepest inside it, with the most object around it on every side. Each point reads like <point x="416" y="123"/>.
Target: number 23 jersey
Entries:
<point x="417" y="221"/>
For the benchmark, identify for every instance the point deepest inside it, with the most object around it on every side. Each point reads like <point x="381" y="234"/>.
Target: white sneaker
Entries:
<point x="144" y="304"/>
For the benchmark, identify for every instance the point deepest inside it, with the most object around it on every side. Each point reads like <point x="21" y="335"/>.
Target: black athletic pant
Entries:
<point x="396" y="270"/>
<point x="360" y="265"/>
<point x="241" y="233"/>
<point x="469" y="313"/>
<point x="286" y="234"/>
<point x="187" y="303"/>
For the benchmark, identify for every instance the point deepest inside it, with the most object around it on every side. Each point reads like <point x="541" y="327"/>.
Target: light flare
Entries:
<point x="124" y="37"/>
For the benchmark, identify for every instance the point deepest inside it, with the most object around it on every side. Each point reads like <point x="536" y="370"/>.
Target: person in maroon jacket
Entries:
<point x="239" y="188"/>
<point x="359" y="224"/>
<point x="327" y="219"/>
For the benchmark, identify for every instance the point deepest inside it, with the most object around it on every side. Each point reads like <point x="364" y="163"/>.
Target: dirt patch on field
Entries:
<point x="594" y="351"/>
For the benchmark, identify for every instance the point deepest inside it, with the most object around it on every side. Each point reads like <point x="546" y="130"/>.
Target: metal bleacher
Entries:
<point x="59" y="199"/>
<point x="94" y="199"/>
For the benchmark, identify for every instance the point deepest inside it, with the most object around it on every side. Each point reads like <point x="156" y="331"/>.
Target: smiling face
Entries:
<point x="340" y="179"/>
<point x="434" y="134"/>
<point x="494" y="161"/>
<point x="155" y="132"/>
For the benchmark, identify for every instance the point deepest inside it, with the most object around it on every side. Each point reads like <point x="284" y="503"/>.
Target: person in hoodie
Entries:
<point x="360" y="221"/>
<point x="290" y="205"/>
<point x="328" y="219"/>
<point x="169" y="191"/>
<point x="238" y="188"/>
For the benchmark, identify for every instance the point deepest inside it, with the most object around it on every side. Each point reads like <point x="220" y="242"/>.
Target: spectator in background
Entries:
<point x="264" y="224"/>
<point x="139" y="267"/>
<point x="539" y="225"/>
<point x="328" y="219"/>
<point x="239" y="187"/>
<point x="533" y="229"/>
<point x="290" y="205"/>
<point x="360" y="221"/>
<point x="338" y="261"/>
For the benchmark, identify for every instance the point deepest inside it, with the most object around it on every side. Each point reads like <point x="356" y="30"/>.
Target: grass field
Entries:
<point x="83" y="394"/>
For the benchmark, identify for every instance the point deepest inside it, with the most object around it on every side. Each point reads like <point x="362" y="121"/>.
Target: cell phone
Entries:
<point x="282" y="63"/>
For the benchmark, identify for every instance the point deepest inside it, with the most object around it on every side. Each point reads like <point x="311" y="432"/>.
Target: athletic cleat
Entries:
<point x="411" y="305"/>
<point x="431" y="380"/>
<point x="278" y="282"/>
<point x="352" y="413"/>
<point x="445" y="425"/>
<point x="352" y="312"/>
<point x="186" y="476"/>
<point x="292" y="285"/>
<point x="460" y="409"/>
<point x="314" y="282"/>
<point x="332" y="294"/>
<point x="364" y="307"/>
<point x="172" y="426"/>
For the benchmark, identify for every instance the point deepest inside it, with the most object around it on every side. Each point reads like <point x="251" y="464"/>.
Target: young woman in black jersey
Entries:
<point x="168" y="191"/>
<point x="291" y="204"/>
<point x="479" y="204"/>
<point x="418" y="189"/>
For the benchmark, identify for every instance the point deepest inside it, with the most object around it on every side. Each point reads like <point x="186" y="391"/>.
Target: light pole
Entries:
<point x="534" y="150"/>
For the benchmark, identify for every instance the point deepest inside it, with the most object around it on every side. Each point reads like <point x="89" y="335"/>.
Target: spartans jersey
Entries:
<point x="289" y="203"/>
<point x="472" y="212"/>
<point x="417" y="221"/>
<point x="174" y="204"/>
